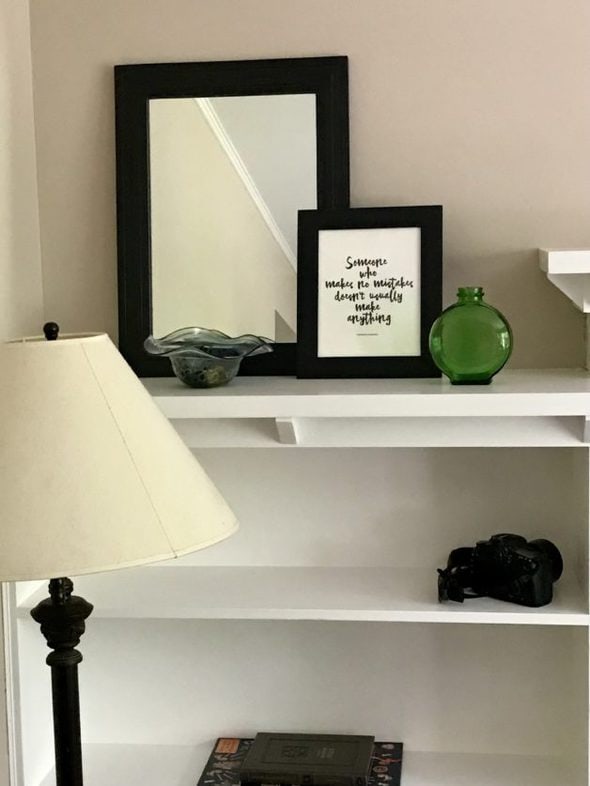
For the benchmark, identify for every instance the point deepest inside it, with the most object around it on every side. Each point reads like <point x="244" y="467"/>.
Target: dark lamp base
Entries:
<point x="62" y="618"/>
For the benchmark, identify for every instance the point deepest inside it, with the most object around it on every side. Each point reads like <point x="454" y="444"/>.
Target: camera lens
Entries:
<point x="551" y="550"/>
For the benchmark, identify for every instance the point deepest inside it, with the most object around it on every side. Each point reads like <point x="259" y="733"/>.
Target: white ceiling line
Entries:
<point x="230" y="150"/>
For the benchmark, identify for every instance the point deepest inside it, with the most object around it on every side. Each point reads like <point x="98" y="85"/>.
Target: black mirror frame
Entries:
<point x="135" y="85"/>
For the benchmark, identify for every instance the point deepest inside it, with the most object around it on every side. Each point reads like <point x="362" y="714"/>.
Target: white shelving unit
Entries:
<point x="321" y="612"/>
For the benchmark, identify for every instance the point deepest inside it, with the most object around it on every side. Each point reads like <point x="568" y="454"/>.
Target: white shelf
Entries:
<point x="546" y="408"/>
<point x="161" y="765"/>
<point x="448" y="769"/>
<point x="148" y="765"/>
<point x="304" y="593"/>
<point x="548" y="392"/>
<point x="569" y="270"/>
<point x="492" y="432"/>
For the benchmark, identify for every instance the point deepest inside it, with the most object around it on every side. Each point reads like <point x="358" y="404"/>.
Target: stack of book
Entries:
<point x="303" y="760"/>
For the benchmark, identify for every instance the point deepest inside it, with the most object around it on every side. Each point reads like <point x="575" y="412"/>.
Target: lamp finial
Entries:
<point x="51" y="330"/>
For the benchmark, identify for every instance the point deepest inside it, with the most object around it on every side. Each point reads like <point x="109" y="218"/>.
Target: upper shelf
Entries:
<point x="526" y="393"/>
<point x="524" y="407"/>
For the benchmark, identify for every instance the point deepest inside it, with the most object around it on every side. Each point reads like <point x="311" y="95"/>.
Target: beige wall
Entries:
<point x="20" y="264"/>
<point x="481" y="105"/>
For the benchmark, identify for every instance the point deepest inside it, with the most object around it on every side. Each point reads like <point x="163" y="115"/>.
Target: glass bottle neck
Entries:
<point x="470" y="294"/>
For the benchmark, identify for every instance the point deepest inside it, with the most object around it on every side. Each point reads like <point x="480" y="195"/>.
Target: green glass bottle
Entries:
<point x="471" y="340"/>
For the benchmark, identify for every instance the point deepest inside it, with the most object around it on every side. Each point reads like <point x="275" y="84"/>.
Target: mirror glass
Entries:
<point x="227" y="177"/>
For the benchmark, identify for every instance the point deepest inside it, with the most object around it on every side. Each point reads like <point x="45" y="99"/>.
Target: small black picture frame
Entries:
<point x="369" y="288"/>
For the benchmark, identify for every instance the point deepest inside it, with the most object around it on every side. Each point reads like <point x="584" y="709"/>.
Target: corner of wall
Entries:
<point x="21" y="295"/>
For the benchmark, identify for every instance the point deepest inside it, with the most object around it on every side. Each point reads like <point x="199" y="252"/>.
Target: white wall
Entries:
<point x="20" y="263"/>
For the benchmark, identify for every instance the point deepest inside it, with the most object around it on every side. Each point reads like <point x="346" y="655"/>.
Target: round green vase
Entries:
<point x="471" y="340"/>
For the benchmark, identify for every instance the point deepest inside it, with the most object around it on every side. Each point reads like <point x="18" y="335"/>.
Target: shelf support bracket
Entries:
<point x="586" y="430"/>
<point x="569" y="271"/>
<point x="287" y="431"/>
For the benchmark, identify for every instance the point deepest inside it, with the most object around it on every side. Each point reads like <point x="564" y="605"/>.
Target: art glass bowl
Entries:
<point x="203" y="358"/>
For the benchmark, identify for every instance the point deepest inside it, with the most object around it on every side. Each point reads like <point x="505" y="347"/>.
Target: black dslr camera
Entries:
<point x="506" y="567"/>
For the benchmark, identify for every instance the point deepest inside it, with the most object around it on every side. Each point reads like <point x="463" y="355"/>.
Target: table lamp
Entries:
<point x="92" y="478"/>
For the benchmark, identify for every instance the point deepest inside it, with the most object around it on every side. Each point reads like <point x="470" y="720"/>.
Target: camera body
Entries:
<point x="506" y="567"/>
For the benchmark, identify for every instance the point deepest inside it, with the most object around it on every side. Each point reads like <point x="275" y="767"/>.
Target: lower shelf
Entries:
<point x="305" y="593"/>
<point x="164" y="765"/>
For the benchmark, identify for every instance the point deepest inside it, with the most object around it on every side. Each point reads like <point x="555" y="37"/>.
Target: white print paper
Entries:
<point x="369" y="292"/>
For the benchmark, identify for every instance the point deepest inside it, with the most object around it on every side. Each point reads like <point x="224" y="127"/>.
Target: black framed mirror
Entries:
<point x="213" y="161"/>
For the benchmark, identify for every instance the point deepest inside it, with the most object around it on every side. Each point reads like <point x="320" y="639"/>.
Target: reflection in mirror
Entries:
<point x="227" y="177"/>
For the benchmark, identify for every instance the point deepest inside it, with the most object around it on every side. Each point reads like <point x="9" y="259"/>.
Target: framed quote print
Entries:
<point x="369" y="288"/>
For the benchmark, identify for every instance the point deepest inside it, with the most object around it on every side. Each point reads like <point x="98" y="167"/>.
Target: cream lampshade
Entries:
<point x="92" y="478"/>
<point x="92" y="475"/>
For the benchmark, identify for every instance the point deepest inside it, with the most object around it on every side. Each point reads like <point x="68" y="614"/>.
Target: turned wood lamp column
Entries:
<point x="62" y="619"/>
<point x="92" y="478"/>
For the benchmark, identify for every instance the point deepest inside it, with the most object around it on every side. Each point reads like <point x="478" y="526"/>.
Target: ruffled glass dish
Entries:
<point x="203" y="358"/>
